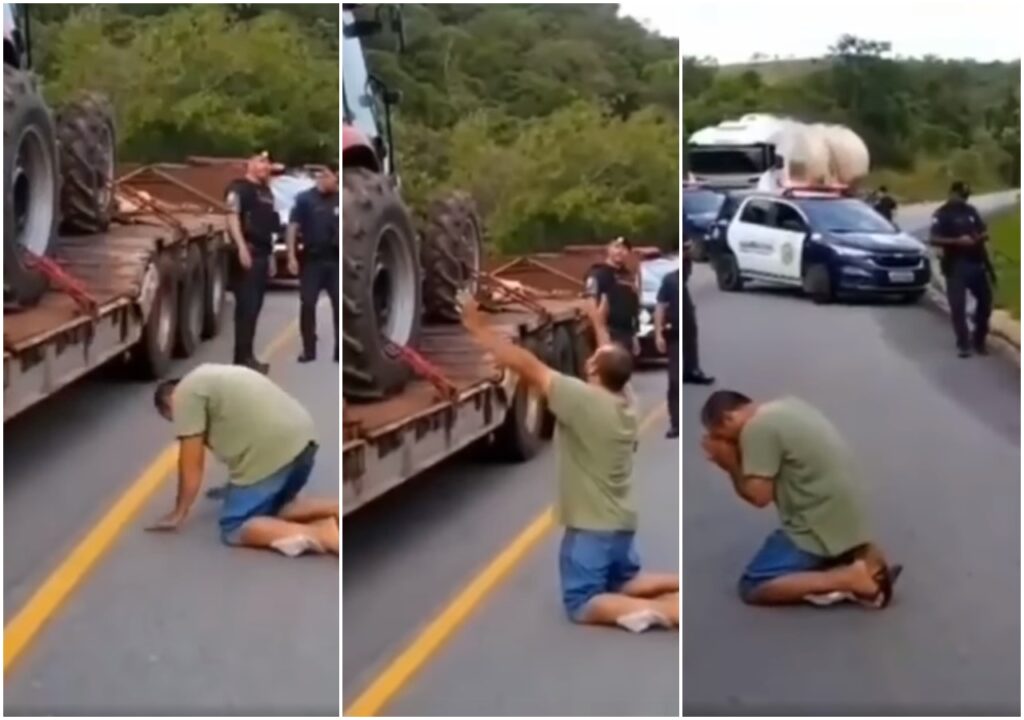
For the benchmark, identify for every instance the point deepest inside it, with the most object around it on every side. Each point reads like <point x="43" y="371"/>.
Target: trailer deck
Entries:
<point x="392" y="439"/>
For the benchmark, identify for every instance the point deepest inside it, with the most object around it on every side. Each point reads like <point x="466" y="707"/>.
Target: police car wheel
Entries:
<point x="817" y="284"/>
<point x="727" y="273"/>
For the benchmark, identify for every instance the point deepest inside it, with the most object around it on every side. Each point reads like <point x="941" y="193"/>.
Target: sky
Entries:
<point x="733" y="30"/>
<point x="662" y="17"/>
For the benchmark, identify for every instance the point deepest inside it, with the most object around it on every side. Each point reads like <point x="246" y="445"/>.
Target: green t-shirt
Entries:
<point x="251" y="425"/>
<point x="595" y="436"/>
<point x="793" y="443"/>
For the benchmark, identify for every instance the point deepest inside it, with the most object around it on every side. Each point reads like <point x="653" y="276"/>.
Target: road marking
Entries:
<point x="400" y="670"/>
<point x="48" y="598"/>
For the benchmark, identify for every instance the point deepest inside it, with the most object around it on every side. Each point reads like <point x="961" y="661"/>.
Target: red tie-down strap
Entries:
<point x="63" y="281"/>
<point x="423" y="368"/>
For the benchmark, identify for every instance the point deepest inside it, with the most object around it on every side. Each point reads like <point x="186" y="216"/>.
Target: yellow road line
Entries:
<point x="48" y="598"/>
<point x="400" y="670"/>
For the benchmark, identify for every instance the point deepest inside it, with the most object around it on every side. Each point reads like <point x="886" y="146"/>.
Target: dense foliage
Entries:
<point x="200" y="79"/>
<point x="562" y="120"/>
<point x="924" y="120"/>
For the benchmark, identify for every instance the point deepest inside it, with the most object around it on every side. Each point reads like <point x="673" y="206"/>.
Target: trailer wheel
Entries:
<point x="151" y="356"/>
<point x="520" y="437"/>
<point x="191" y="303"/>
<point x="31" y="186"/>
<point x="380" y="286"/>
<point x="215" y="284"/>
<point x="584" y="345"/>
<point x="87" y="140"/>
<point x="562" y="358"/>
<point x="451" y="253"/>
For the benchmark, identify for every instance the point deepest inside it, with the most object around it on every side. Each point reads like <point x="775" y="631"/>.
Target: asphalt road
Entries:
<point x="938" y="442"/>
<point x="164" y="624"/>
<point x="406" y="555"/>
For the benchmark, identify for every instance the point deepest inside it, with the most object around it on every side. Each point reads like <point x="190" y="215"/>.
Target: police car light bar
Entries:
<point x="834" y="190"/>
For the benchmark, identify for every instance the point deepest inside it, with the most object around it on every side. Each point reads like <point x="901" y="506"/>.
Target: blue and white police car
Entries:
<point x="820" y="239"/>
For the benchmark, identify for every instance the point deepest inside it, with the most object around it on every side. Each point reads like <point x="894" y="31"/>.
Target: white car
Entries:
<point x="822" y="241"/>
<point x="652" y="272"/>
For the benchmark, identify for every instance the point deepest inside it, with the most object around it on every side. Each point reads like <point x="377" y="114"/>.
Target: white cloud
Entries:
<point x="733" y="30"/>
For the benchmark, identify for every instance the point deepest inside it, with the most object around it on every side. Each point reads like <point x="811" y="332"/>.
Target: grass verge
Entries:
<point x="1004" y="238"/>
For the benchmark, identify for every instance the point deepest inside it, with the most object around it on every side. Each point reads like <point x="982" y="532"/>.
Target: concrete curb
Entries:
<point x="1004" y="331"/>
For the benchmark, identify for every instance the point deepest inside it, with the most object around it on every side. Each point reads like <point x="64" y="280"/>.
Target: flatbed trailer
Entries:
<point x="387" y="442"/>
<point x="151" y="287"/>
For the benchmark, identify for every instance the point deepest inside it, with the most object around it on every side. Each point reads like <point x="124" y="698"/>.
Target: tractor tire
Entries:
<point x="151" y="357"/>
<point x="215" y="284"/>
<point x="191" y="302"/>
<point x="88" y="142"/>
<point x="31" y="187"/>
<point x="451" y="253"/>
<point x="380" y="286"/>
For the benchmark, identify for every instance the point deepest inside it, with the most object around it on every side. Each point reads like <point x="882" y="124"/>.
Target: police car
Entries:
<point x="822" y="240"/>
<point x="652" y="272"/>
<point x="701" y="206"/>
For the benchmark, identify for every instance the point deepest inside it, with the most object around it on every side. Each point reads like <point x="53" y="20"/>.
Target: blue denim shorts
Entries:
<point x="777" y="557"/>
<point x="592" y="562"/>
<point x="265" y="497"/>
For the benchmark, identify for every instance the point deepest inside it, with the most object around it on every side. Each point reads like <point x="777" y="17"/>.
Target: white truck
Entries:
<point x="769" y="153"/>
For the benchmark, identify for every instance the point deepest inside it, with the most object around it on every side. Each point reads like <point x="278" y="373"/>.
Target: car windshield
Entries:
<point x="701" y="202"/>
<point x="845" y="215"/>
<point x="652" y="273"/>
<point x="727" y="161"/>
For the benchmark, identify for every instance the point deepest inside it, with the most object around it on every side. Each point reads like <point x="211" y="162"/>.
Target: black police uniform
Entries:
<point x="668" y="295"/>
<point x="966" y="269"/>
<point x="886" y="206"/>
<point x="615" y="284"/>
<point x="254" y="204"/>
<point x="316" y="215"/>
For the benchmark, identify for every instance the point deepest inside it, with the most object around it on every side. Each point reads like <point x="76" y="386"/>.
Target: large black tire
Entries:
<point x="521" y="435"/>
<point x="451" y="255"/>
<point x="562" y="359"/>
<point x="191" y="302"/>
<point x="31" y="186"/>
<point x="727" y="272"/>
<point x="151" y="356"/>
<point x="215" y="284"/>
<point x="817" y="283"/>
<point x="88" y="142"/>
<point x="380" y="286"/>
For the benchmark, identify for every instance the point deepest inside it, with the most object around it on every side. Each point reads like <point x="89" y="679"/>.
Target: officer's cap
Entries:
<point x="622" y="242"/>
<point x="959" y="187"/>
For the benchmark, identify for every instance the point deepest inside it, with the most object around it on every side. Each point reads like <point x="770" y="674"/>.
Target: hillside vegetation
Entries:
<point x="925" y="120"/>
<point x="200" y="79"/>
<point x="561" y="120"/>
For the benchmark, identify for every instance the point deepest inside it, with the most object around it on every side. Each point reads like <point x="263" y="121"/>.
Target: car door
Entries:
<point x="788" y="231"/>
<point x="750" y="236"/>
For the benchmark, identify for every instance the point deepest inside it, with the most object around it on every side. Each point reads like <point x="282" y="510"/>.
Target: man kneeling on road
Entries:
<point x="266" y="439"/>
<point x="787" y="452"/>
<point x="595" y="438"/>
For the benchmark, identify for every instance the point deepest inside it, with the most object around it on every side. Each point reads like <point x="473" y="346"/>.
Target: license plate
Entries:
<point x="901" y="276"/>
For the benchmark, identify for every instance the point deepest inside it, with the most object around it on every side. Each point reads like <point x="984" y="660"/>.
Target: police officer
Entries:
<point x="613" y="285"/>
<point x="692" y="374"/>
<point x="960" y="233"/>
<point x="666" y="338"/>
<point x="315" y="217"/>
<point x="885" y="204"/>
<point x="253" y="223"/>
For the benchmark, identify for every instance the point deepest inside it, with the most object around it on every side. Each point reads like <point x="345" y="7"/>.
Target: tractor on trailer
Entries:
<point x="416" y="387"/>
<point x="95" y="269"/>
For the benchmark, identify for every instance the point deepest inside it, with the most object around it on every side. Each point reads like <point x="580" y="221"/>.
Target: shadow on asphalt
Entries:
<point x="986" y="387"/>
